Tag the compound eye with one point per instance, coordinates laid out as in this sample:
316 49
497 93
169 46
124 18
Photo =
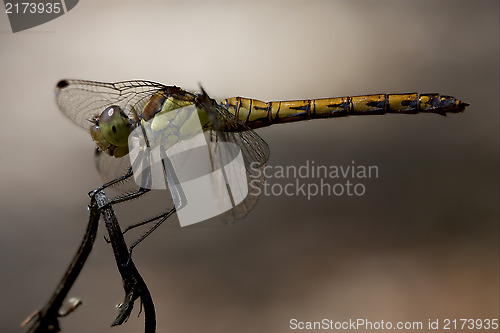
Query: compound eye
115 125
97 136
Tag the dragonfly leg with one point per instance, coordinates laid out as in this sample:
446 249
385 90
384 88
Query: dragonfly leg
130 196
127 175
153 228
133 226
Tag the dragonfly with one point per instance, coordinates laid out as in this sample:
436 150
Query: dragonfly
112 111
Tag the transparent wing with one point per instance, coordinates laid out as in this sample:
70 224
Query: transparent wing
83 100
111 168
253 167
231 129
255 151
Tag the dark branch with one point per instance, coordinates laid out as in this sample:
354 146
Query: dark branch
47 318
133 283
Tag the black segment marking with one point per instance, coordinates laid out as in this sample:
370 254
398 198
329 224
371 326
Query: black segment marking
339 105
376 104
411 104
235 107
249 111
269 115
238 106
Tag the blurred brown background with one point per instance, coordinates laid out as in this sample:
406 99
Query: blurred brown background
422 243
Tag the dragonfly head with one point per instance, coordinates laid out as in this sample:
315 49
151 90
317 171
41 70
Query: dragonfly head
115 125
111 130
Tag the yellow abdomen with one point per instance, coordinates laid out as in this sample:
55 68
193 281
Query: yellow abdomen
257 114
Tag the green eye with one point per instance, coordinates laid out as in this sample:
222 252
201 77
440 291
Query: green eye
115 126
99 139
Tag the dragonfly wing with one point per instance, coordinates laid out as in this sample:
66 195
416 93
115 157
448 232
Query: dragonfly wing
111 168
254 150
81 100
232 129
254 166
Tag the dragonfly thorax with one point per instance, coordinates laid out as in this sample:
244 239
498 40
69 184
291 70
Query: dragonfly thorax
111 130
